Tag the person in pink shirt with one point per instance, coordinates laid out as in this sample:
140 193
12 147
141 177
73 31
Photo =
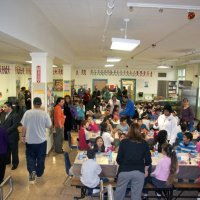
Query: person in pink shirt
93 127
166 169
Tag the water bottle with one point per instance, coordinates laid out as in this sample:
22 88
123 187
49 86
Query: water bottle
156 150
110 157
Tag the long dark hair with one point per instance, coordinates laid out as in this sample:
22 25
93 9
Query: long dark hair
134 132
96 149
168 149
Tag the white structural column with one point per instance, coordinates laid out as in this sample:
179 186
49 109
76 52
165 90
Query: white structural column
45 71
44 77
67 76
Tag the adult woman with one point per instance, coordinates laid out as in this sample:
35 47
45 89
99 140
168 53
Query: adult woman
68 119
134 159
187 114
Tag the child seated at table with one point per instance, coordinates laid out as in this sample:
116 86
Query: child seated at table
166 169
123 126
99 145
187 146
121 137
161 139
107 111
115 114
97 113
90 171
107 137
83 136
93 127
142 125
179 138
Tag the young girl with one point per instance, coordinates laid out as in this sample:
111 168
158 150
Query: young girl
161 139
97 114
166 169
93 127
99 145
121 137
83 136
115 114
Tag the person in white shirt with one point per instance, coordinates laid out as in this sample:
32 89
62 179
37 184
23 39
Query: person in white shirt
90 171
107 135
114 101
168 122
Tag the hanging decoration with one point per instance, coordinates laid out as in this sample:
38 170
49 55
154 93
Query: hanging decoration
4 69
58 71
116 72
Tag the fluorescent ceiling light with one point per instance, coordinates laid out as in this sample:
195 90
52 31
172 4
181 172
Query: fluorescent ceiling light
109 65
54 66
124 44
113 59
163 67
165 6
29 61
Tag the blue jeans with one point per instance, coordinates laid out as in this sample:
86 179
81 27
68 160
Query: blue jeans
35 156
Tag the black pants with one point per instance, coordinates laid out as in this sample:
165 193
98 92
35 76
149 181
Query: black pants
2 166
13 152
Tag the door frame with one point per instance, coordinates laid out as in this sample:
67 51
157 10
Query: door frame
134 82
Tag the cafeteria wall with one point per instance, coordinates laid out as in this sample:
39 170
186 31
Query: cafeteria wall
8 81
113 80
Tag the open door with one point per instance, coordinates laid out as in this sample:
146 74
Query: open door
130 85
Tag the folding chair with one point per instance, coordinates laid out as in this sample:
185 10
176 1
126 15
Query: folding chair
67 167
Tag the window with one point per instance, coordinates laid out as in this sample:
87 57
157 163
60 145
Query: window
181 74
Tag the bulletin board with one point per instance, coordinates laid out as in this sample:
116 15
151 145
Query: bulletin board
99 83
39 91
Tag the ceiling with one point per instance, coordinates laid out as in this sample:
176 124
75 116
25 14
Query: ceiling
167 37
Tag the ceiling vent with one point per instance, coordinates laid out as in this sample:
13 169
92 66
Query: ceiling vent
162 74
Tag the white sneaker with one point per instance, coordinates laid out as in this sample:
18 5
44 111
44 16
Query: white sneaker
95 191
32 177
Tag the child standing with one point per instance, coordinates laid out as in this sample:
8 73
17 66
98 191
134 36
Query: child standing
80 114
90 171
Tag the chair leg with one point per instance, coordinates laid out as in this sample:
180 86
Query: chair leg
83 193
67 180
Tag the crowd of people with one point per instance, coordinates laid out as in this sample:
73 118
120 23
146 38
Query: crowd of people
128 129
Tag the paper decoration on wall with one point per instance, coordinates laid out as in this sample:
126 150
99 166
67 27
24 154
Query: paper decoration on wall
22 70
4 69
58 84
116 72
58 71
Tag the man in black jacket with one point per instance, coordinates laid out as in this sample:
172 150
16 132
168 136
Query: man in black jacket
10 123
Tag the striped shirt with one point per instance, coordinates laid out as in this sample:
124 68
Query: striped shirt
187 148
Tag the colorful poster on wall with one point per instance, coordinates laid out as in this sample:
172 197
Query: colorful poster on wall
58 85
67 87
50 99
39 91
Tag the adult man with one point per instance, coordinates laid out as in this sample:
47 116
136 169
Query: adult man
59 121
34 123
21 100
10 123
129 110
168 122
81 91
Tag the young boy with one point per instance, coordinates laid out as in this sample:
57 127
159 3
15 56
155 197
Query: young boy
90 171
187 146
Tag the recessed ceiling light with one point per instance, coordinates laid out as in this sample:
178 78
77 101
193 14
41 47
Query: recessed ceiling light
29 61
109 65
113 59
54 66
163 67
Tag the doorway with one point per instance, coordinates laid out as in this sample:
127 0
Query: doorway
130 85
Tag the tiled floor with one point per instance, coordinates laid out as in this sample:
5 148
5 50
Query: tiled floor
51 185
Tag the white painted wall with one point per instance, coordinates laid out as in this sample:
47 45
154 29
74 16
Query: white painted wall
113 80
